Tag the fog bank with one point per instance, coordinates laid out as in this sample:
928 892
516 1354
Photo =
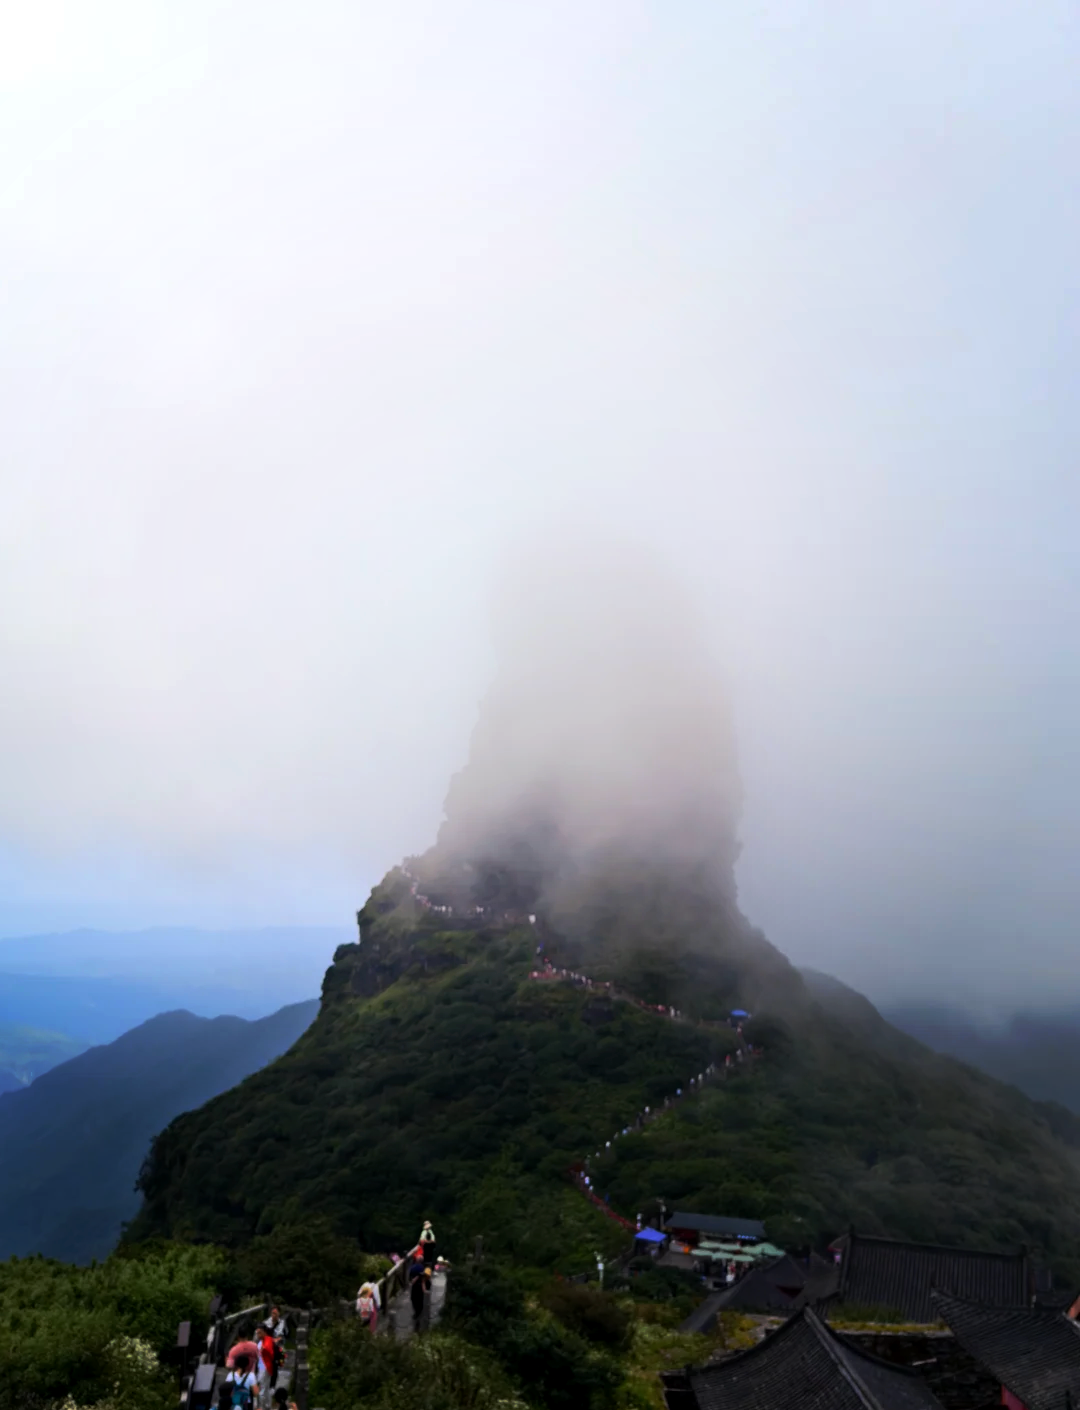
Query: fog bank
311 314
607 722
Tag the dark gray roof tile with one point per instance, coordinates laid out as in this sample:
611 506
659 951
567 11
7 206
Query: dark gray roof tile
770 1287
1034 1352
802 1366
889 1273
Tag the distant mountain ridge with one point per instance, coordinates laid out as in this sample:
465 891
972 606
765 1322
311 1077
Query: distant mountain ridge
95 985
1036 1052
165 953
72 1143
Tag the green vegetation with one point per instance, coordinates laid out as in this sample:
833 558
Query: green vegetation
570 1346
589 1313
98 1336
463 1094
440 1082
304 1263
351 1369
556 1362
826 1131
860 1317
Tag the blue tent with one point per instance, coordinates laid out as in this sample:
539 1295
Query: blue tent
739 1013
652 1236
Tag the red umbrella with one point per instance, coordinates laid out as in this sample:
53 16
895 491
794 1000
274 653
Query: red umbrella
243 1348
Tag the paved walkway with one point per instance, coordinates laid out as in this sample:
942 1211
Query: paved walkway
401 1313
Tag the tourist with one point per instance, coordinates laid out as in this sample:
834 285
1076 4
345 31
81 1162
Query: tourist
265 1367
368 1304
427 1243
278 1329
417 1283
243 1384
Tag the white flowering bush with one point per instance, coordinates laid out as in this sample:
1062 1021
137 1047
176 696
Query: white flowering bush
75 1338
138 1380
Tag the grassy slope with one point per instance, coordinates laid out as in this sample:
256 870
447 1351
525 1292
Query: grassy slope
440 1082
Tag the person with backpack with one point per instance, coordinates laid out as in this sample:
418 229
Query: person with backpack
368 1305
241 1386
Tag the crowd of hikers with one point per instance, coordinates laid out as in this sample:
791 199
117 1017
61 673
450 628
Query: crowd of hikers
549 971
467 910
421 1262
253 1365
598 986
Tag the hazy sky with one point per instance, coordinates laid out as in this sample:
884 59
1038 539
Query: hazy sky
308 312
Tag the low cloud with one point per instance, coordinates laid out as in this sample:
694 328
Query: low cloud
607 721
309 317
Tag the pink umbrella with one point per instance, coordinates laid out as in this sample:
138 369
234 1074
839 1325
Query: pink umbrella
243 1348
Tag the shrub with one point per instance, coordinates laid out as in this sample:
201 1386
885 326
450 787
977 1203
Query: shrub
95 1334
593 1314
302 1263
373 1266
553 1366
350 1367
677 1286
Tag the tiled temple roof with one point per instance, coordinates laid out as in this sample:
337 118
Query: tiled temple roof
1033 1352
891 1274
770 1287
822 1280
803 1366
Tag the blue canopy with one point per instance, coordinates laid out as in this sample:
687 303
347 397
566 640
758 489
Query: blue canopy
739 1013
652 1236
